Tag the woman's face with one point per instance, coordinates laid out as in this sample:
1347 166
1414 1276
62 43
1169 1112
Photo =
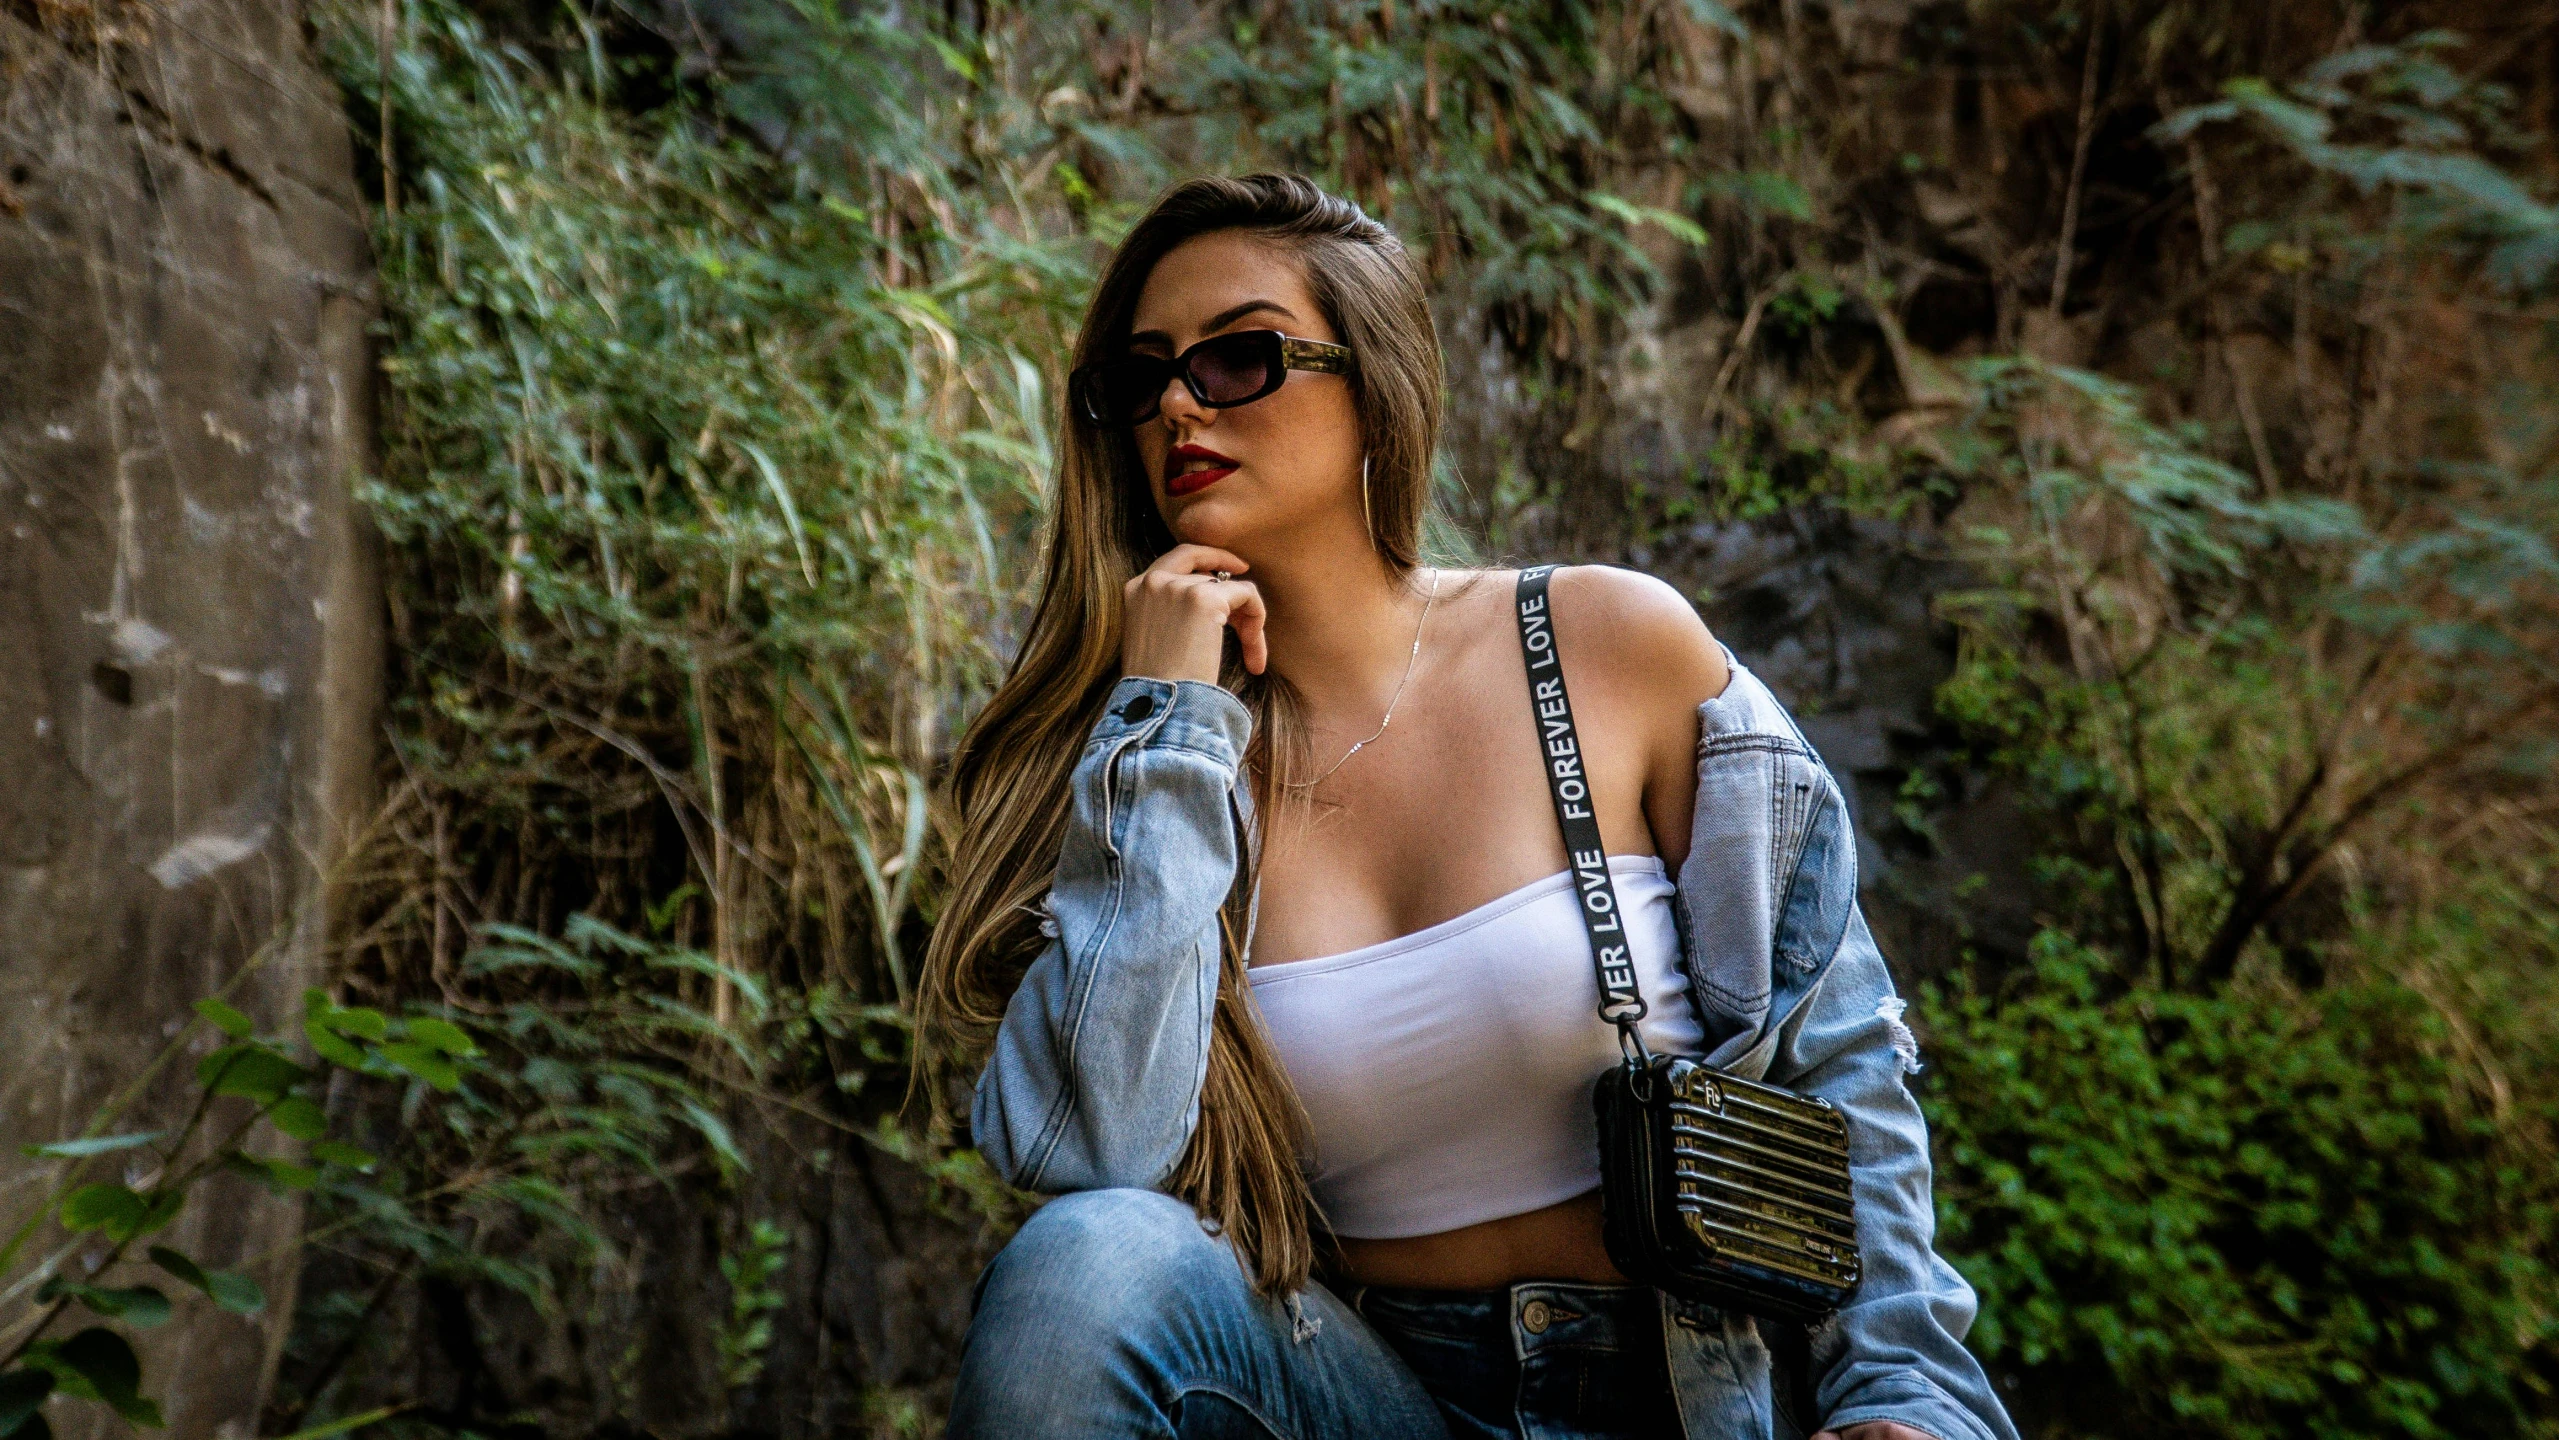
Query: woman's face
1242 477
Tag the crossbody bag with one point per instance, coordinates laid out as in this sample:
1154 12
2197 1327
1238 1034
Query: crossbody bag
1712 1187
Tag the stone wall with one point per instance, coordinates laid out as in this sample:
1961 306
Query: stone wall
189 661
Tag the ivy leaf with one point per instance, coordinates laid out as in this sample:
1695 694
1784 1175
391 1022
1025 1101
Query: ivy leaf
21 1391
299 1118
252 1072
231 1022
442 1035
97 1364
229 1289
95 1145
427 1064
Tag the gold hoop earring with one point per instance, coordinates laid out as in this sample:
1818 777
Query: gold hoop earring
1365 512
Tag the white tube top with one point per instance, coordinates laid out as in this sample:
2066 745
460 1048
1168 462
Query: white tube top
1447 1073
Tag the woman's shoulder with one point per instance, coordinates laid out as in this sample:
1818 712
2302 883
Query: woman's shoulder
1638 636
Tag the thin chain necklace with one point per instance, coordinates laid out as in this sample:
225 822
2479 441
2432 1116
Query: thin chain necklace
1409 662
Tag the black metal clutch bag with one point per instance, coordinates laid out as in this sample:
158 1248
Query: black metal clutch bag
1712 1187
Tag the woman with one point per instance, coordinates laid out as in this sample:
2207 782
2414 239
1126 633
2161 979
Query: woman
1290 1009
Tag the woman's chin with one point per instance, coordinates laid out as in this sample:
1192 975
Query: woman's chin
1208 520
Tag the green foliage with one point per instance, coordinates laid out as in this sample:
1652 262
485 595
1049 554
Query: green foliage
2256 1213
238 1087
710 466
2403 117
2240 1148
591 1080
1468 129
753 1298
96 1364
697 452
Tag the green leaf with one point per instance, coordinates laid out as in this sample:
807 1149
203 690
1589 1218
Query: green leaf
357 1020
360 1021
235 1292
231 1022
97 1364
332 1152
1769 193
179 1265
252 1072
716 1133
1680 226
443 1035
790 513
299 1118
427 1064
21 1391
95 1145
279 1176
108 1207
140 1305
159 1208
335 1048
1707 12
229 1289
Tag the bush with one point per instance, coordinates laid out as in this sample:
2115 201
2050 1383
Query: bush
2256 1213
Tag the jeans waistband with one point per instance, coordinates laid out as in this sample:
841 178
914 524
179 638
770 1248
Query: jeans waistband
1532 1315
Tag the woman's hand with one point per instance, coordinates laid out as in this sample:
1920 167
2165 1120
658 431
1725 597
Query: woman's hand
1175 613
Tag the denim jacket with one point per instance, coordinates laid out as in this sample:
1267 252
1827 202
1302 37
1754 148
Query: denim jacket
1095 1075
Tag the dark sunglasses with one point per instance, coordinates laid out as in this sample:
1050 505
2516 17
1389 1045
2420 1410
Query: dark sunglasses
1221 371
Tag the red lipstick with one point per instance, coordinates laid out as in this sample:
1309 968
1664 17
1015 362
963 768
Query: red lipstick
1193 468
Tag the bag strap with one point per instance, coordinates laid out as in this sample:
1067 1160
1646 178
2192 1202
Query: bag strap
1621 1000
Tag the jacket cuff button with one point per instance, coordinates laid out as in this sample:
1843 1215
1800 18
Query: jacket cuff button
1138 708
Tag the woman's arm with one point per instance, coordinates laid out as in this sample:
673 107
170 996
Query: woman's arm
1094 1079
1731 779
1895 1352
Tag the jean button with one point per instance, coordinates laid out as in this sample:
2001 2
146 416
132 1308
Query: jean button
1534 1317
1138 708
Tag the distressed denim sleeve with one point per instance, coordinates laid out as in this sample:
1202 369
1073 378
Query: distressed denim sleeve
1895 1351
1094 1078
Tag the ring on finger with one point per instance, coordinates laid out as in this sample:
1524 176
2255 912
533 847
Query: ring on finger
1223 574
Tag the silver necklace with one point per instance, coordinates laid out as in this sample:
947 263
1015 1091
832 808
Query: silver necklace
1409 662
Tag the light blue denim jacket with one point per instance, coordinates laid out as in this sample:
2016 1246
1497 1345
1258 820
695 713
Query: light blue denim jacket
1095 1075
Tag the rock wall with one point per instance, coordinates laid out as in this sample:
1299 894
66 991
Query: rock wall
189 661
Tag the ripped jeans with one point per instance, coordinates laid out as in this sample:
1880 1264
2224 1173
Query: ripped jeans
1113 1313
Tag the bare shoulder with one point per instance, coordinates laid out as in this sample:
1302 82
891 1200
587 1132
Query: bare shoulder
1638 636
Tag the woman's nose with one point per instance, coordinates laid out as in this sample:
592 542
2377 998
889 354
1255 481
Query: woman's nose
1179 407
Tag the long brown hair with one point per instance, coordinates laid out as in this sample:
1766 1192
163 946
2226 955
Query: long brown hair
1009 777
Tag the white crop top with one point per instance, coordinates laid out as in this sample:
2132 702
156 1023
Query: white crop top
1447 1073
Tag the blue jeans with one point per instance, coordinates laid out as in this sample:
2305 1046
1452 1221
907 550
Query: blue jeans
1113 1313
